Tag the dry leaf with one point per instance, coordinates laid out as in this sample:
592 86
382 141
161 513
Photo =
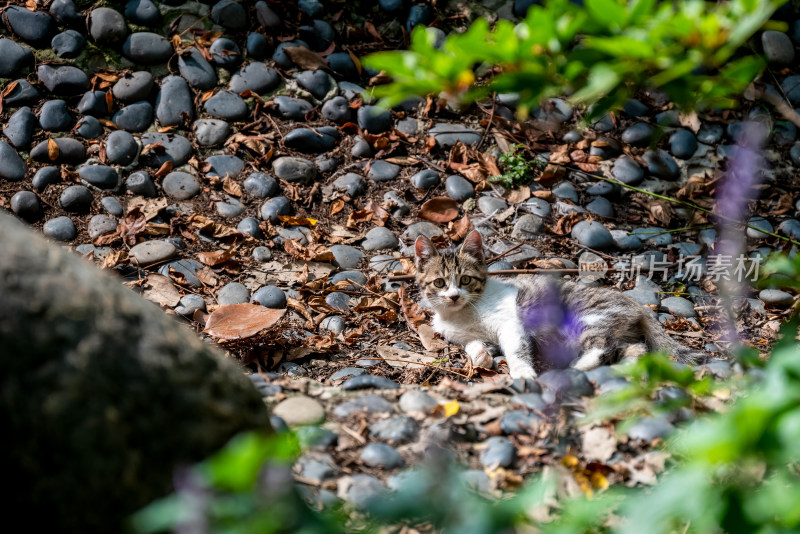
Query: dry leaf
297 221
407 359
305 58
52 149
237 321
379 215
231 187
599 444
564 225
458 230
218 257
161 290
439 210
336 206
448 409
521 194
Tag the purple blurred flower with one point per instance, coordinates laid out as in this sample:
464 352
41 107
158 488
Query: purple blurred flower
733 196
555 328
194 497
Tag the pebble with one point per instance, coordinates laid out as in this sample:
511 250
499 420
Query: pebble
76 199
34 27
274 207
249 226
154 251
316 82
381 171
13 57
521 421
425 179
89 128
600 206
640 134
93 103
653 236
224 164
351 183
537 206
660 164
22 93
528 227
147 48
121 148
627 171
491 205
650 428
778 47
593 234
414 400
20 127
398 429
347 372
678 306
458 188
209 132
60 229
293 169
379 238
365 490
320 139
300 410
337 109
499 452
186 268
565 191
790 228
107 26
172 147
25 204
196 70
229 14
776 297
63 80
189 304
292 108
140 183
338 300
447 135
142 12
370 404
262 254
180 185
101 224
428 229
54 116
261 185
333 323
256 77
605 148
225 53
759 223
227 106
70 151
683 144
374 119
361 149
710 134
68 44
270 297
174 102
314 437
381 455
230 208
66 12
531 401
136 117
233 293
567 382
369 381
633 108
257 45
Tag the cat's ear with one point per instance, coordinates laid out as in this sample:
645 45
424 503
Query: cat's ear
473 246
425 250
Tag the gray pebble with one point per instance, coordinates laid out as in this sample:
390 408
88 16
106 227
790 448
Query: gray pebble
209 132
262 254
650 428
371 404
335 324
293 169
76 199
776 297
154 251
458 188
593 234
180 185
338 300
761 224
233 293
189 304
25 204
60 229
369 382
500 452
398 429
347 372
274 207
678 306
521 421
101 224
112 206
379 238
425 179
381 455
270 297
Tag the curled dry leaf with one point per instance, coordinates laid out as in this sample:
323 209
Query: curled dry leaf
314 251
161 290
551 174
412 313
291 220
305 58
52 149
379 215
218 257
564 225
231 187
439 210
119 257
521 194
458 230
237 321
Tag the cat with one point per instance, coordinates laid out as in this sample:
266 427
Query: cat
533 321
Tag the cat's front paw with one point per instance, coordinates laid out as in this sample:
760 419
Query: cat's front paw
521 370
479 354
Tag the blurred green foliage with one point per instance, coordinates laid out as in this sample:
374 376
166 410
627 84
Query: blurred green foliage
600 53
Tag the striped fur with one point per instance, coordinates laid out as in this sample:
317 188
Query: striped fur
536 322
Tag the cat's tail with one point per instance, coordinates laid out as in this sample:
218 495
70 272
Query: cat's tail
659 340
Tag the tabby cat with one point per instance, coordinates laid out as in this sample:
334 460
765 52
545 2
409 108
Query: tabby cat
536 322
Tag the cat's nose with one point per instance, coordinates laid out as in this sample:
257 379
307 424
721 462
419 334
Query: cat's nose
455 297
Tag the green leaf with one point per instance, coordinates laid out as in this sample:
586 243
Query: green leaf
602 79
609 13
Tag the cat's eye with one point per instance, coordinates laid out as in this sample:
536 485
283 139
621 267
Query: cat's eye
465 279
439 282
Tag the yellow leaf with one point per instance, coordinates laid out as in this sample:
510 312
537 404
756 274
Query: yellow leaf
599 481
450 408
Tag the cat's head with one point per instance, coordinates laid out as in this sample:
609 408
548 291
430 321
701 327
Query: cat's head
451 279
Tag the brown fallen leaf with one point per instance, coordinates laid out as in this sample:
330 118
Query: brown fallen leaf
458 230
52 149
403 359
292 220
218 257
305 58
598 444
161 290
439 210
379 215
564 225
313 252
521 194
412 313
551 174
117 258
237 321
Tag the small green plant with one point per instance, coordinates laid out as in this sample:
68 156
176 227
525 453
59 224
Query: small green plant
518 168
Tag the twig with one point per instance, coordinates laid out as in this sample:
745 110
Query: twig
489 125
445 369
504 254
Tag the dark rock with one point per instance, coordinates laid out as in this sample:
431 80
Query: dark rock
209 132
710 134
140 183
381 455
379 238
227 106
320 139
266 16
196 70
425 179
100 176
142 12
633 108
650 428
593 234
398 429
567 383
447 135
180 185
274 207
776 297
683 144
678 306
174 148
337 109
351 183
640 134
312 8
225 165
225 53
35 27
458 188
54 116
758 228
419 14
261 185
189 304
282 58
374 119
661 164
60 229
68 44
76 199
66 12
342 65
346 257
319 35
499 452
112 206
381 171
89 128
229 208
605 148
25 204
627 171
44 177
100 225
270 297
229 14
249 226
361 149
13 57
565 191
20 127
292 108
147 48
22 93
93 103
257 46
778 47
202 397
338 300
12 167
136 117
530 401
187 268
63 79
107 26
121 148
316 82
521 421
133 87
70 151
234 293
